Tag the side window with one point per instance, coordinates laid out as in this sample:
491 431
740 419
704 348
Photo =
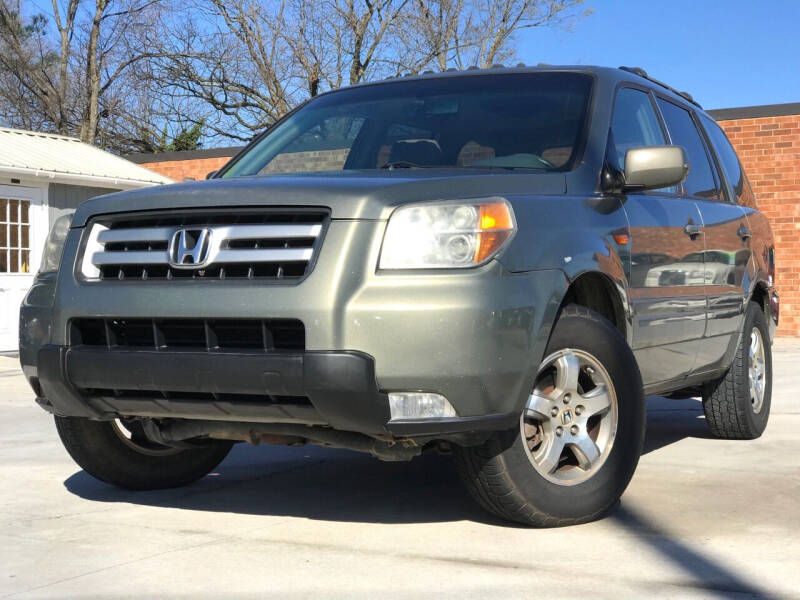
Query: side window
682 130
634 125
730 163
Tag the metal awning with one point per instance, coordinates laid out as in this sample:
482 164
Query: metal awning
56 157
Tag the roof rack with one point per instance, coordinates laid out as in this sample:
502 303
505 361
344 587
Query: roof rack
642 73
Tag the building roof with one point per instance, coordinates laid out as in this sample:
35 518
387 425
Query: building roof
32 154
755 112
173 155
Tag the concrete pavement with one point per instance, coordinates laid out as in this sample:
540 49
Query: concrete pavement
702 518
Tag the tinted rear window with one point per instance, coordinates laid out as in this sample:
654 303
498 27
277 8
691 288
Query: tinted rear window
682 130
730 163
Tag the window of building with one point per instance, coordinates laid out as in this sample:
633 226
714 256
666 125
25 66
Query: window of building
15 236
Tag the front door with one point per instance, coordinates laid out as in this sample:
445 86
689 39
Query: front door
23 229
666 277
666 284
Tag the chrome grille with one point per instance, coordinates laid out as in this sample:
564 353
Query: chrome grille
279 245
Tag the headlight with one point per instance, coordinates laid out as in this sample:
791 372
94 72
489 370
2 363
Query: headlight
446 235
54 246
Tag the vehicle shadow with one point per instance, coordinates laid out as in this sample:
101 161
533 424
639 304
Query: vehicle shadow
670 421
340 485
315 483
705 573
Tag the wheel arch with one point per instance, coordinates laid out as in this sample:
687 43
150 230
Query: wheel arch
766 297
599 292
760 295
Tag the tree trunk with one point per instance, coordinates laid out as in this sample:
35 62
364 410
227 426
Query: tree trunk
356 68
92 110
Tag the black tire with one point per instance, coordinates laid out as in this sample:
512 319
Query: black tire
99 450
499 474
727 402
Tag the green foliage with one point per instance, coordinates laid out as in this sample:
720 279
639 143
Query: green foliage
187 138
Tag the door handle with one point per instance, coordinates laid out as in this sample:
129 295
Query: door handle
743 232
692 230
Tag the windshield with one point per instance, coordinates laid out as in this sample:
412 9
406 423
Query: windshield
503 121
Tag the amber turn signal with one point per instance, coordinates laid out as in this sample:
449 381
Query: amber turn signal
496 226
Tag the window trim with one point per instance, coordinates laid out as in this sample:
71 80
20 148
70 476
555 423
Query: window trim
715 162
729 191
648 91
10 225
718 182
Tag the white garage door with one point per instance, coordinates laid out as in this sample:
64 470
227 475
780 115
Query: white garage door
23 229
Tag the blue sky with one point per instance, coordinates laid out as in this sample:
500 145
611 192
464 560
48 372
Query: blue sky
726 53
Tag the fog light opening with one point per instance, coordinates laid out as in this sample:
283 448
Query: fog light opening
419 405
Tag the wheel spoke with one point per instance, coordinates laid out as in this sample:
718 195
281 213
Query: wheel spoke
538 407
754 344
567 370
547 456
596 401
586 451
557 414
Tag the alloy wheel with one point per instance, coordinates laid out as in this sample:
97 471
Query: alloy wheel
131 433
570 420
756 371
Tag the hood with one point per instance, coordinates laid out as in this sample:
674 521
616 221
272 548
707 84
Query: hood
347 194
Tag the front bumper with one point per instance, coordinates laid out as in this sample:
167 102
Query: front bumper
476 337
337 389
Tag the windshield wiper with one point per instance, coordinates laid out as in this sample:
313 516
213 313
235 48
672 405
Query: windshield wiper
505 168
402 164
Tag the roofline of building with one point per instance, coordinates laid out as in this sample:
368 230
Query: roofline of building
755 112
75 178
156 157
54 136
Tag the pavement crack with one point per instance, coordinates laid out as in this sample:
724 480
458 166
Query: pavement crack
115 565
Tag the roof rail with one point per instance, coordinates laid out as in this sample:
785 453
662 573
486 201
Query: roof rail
642 73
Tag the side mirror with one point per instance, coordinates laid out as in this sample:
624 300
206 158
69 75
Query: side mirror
211 174
655 167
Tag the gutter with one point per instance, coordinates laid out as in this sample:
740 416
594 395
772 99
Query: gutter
122 183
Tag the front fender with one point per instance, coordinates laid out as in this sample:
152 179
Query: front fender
576 235
571 233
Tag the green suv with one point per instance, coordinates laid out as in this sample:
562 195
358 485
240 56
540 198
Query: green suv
497 264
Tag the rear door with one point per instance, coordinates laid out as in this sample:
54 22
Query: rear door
726 251
727 304
666 273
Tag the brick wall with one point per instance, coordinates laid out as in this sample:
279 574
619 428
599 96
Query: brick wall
181 169
315 160
769 148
